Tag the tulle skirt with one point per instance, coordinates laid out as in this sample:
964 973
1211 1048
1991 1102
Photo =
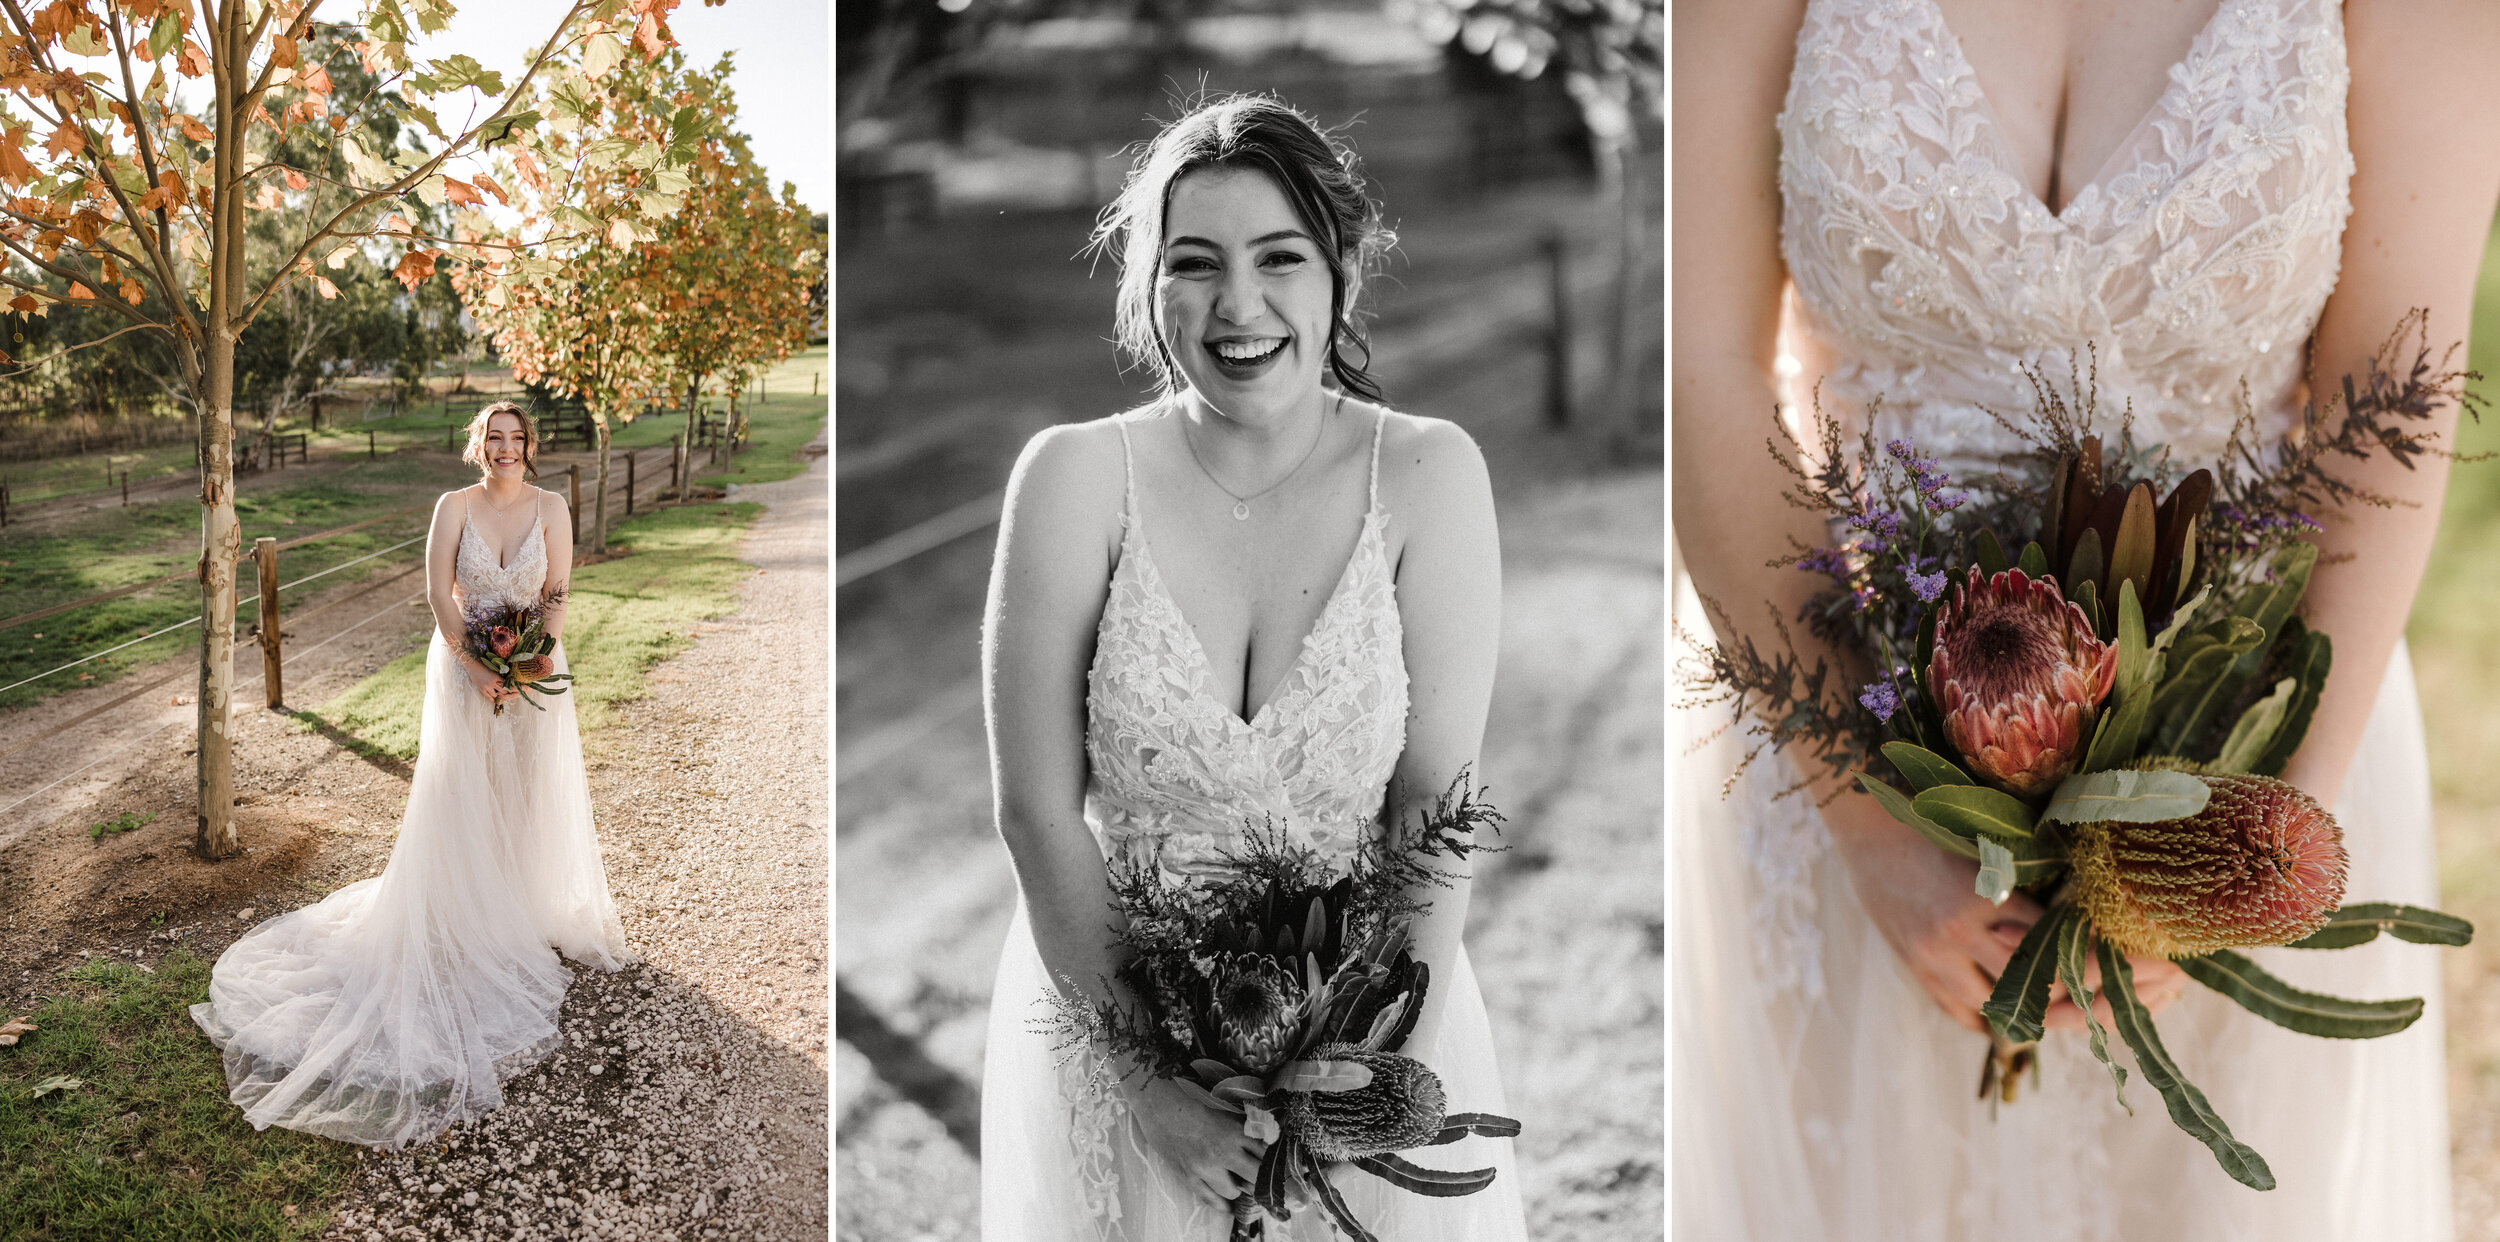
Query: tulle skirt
1819 1094
397 1005
1063 1161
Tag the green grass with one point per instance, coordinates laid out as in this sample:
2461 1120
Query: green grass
108 548
624 616
792 412
147 1146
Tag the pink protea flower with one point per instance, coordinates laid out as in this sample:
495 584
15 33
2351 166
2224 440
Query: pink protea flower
2019 676
2262 864
502 640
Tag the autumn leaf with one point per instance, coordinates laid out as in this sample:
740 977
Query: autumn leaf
193 63
281 51
191 127
647 36
65 141
296 180
339 257
14 166
327 289
415 268
24 304
317 81
494 188
462 192
80 293
132 291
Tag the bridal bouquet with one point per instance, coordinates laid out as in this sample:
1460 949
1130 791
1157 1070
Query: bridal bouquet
2087 675
1282 992
513 643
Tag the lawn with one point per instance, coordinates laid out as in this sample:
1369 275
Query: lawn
134 1139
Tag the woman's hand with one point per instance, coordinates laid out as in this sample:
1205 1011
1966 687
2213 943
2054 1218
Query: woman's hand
1953 941
1207 1143
487 683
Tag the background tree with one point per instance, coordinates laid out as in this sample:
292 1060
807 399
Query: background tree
131 188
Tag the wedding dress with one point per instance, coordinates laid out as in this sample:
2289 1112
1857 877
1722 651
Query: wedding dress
1819 1093
1174 777
395 1006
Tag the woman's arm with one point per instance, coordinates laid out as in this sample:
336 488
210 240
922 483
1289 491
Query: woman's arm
2426 156
559 559
1048 585
1449 593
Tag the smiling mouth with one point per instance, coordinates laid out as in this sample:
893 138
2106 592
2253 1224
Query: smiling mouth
1246 353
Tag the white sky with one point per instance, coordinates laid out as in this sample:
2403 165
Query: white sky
783 74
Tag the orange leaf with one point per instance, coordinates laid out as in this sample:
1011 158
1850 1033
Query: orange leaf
482 179
66 141
460 191
192 129
327 289
193 62
647 36
281 51
317 81
15 168
296 180
80 293
24 304
415 268
132 291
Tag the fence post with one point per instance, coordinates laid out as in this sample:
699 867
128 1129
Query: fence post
369 453
447 433
1558 334
629 480
677 464
573 497
265 549
125 489
4 504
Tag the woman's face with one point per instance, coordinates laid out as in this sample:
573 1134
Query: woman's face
1242 296
506 445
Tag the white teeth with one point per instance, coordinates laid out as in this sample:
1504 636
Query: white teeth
1248 351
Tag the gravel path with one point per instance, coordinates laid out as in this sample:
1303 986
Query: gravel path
689 1101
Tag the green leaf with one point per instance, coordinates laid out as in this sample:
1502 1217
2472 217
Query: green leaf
2361 923
2087 596
1976 810
2270 604
2311 662
2131 553
2180 617
1988 553
1323 1076
1996 871
2085 562
2135 655
2020 1003
2033 562
2127 796
2121 729
1893 801
2254 732
2074 942
162 35
2188 702
1925 768
2310 1013
56 1082
2188 1108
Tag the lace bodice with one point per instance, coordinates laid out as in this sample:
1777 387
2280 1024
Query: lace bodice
485 582
2198 259
1176 775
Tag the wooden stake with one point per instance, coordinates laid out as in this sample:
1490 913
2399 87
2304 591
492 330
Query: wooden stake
573 498
265 550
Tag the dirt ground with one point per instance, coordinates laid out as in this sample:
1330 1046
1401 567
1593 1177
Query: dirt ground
712 819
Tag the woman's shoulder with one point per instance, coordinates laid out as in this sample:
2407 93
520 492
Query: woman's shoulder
1426 464
1078 456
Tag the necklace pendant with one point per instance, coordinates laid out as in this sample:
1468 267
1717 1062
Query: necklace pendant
1241 510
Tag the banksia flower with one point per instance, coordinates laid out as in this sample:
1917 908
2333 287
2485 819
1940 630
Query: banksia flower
2262 864
2019 676
533 668
1258 1005
1401 1108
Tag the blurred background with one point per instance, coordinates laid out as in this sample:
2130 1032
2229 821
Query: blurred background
1515 145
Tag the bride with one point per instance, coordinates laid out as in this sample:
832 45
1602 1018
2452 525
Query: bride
2211 197
1257 596
397 1005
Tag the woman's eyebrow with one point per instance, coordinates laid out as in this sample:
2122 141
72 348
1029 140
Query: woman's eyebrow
1277 236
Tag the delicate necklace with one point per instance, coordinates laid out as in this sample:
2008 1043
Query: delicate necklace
1241 503
490 499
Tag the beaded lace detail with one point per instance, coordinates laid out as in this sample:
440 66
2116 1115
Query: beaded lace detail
1176 775
2198 259
485 582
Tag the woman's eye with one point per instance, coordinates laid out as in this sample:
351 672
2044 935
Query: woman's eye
1284 260
1191 265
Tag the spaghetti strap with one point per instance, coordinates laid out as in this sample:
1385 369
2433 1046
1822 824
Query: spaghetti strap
1128 471
1377 424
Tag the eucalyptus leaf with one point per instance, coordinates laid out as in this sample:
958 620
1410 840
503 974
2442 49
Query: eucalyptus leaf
2361 923
2188 1108
2180 618
2033 562
2254 732
1989 553
2127 795
1900 807
2135 654
2020 1003
1996 871
2310 1013
2311 662
1976 810
2270 604
1925 768
2074 947
2205 682
2121 728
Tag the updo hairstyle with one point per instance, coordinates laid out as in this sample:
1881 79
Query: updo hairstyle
1317 175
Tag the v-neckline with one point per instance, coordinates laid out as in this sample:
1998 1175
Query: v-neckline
468 522
1302 655
2135 133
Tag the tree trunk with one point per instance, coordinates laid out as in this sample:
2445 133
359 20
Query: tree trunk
221 536
599 507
